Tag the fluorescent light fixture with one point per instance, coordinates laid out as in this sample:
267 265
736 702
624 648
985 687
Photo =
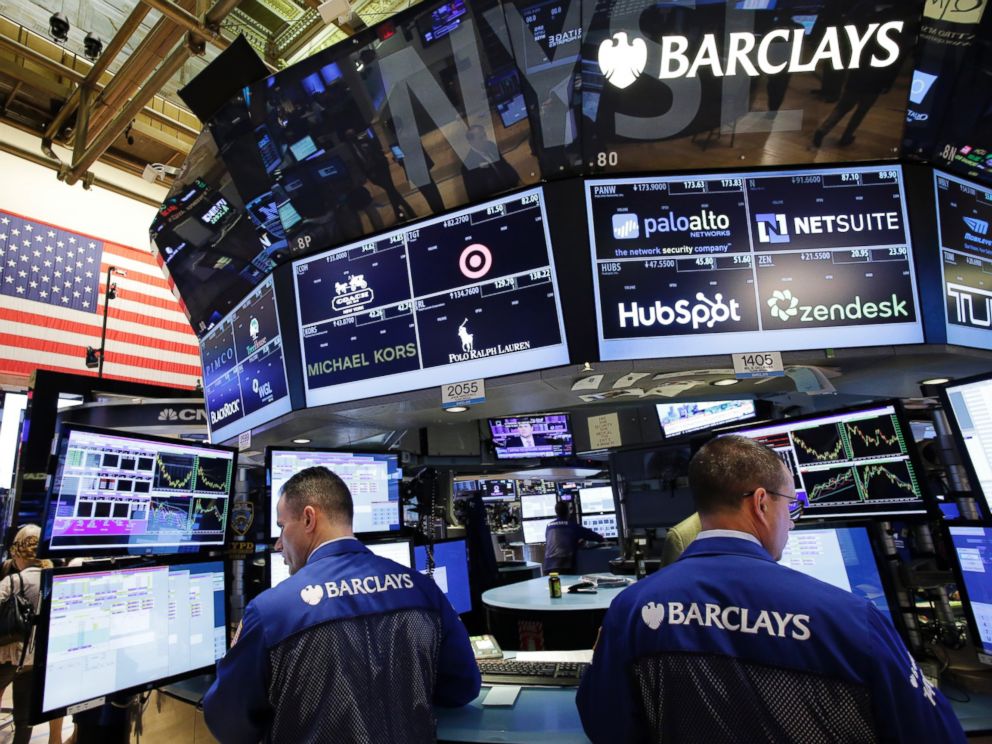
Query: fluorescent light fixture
726 381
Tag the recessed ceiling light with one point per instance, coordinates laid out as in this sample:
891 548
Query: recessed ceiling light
301 441
935 381
726 381
456 409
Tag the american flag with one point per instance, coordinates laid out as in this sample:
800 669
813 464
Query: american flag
52 287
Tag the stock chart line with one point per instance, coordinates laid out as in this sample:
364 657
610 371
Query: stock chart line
167 517
834 484
874 439
832 454
168 475
872 471
203 481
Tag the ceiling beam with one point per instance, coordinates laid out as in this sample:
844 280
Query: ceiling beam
190 22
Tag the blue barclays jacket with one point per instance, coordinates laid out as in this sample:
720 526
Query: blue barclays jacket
562 540
353 647
730 646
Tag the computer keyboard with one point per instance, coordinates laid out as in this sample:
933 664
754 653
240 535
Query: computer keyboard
545 673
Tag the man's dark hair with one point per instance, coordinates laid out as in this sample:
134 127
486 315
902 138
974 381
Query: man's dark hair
561 510
320 488
726 468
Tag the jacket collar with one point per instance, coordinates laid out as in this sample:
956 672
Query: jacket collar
337 547
725 546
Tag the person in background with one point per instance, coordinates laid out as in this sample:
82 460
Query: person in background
677 538
727 645
350 648
24 552
562 537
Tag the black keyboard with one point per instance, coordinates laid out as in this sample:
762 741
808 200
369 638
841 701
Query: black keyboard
545 673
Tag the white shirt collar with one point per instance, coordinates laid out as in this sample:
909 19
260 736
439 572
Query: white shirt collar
328 542
728 533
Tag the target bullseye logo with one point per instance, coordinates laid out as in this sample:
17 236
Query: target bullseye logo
475 261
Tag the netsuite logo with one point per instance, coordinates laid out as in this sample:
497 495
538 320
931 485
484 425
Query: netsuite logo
979 226
705 312
772 228
784 306
842 47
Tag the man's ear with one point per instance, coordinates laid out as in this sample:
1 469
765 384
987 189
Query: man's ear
309 517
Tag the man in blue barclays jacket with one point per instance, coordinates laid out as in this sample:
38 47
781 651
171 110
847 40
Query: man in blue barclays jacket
727 645
351 648
561 540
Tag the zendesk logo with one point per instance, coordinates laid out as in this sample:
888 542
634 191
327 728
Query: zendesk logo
784 306
842 47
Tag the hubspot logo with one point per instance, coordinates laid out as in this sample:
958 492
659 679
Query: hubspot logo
622 61
783 305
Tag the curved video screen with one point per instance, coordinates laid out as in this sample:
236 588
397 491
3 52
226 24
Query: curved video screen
468 295
780 259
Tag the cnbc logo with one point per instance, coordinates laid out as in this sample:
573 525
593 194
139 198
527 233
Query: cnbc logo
626 226
785 306
772 228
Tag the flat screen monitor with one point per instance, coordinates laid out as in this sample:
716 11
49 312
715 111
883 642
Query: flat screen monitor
471 294
538 505
373 479
677 419
790 259
653 485
441 21
840 556
853 463
278 569
604 524
596 499
120 494
544 435
964 212
534 530
244 370
450 571
498 490
968 404
106 631
400 551
973 549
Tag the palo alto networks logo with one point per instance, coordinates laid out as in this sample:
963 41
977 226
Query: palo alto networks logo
922 83
783 305
622 61
772 228
626 226
653 615
312 593
979 226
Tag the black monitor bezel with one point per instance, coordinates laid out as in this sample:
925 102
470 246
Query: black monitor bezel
969 614
930 510
532 456
333 450
37 715
44 544
581 512
984 502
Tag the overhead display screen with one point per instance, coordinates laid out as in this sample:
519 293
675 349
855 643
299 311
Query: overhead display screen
964 212
244 372
777 260
469 295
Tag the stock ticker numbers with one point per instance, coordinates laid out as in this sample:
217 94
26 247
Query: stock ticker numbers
429 305
794 255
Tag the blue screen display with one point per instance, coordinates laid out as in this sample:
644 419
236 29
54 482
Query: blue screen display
973 548
450 571
840 556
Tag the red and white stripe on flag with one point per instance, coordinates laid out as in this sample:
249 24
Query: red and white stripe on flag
149 338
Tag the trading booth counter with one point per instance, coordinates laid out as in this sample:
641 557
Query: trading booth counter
524 617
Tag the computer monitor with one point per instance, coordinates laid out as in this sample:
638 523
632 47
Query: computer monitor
103 631
973 550
840 556
604 524
373 479
120 494
544 435
538 505
653 486
400 551
278 569
968 405
852 463
677 419
450 571
596 499
534 530
498 490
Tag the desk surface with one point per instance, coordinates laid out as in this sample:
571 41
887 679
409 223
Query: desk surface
533 595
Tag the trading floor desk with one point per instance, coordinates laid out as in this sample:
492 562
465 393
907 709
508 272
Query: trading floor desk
524 617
